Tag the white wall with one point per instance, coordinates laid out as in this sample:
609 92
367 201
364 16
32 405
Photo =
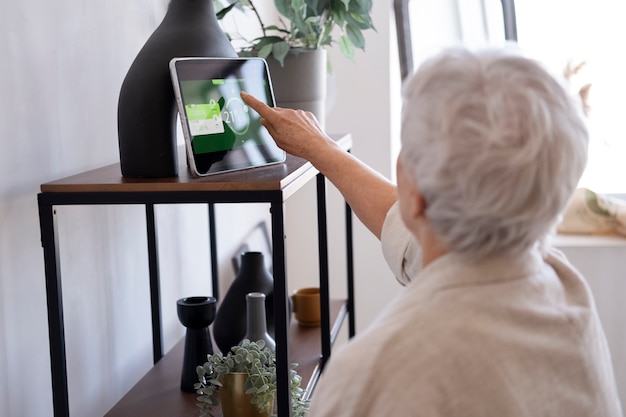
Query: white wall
63 64
600 260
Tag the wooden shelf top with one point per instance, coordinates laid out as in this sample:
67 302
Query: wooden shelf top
272 177
158 393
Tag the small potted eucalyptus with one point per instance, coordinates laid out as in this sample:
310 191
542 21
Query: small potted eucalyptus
243 382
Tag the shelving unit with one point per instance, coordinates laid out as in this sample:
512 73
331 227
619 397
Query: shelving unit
272 184
158 393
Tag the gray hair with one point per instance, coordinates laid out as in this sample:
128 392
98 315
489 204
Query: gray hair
495 144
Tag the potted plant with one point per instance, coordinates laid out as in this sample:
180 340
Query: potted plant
310 24
253 364
295 47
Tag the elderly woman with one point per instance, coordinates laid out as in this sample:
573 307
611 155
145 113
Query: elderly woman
493 321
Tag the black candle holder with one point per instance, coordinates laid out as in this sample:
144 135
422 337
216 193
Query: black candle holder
196 314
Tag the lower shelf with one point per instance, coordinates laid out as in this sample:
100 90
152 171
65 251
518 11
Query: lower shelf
158 393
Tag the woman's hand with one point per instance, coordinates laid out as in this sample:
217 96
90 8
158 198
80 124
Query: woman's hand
297 132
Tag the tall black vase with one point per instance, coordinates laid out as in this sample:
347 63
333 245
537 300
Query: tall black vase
229 327
146 109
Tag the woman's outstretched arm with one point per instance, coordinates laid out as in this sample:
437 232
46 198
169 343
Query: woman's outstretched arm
299 133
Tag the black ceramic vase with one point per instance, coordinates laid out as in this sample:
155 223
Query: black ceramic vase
230 323
146 116
196 314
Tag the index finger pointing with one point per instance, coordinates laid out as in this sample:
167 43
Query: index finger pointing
263 109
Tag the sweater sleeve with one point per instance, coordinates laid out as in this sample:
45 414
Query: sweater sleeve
400 248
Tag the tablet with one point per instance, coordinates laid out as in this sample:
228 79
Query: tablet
221 132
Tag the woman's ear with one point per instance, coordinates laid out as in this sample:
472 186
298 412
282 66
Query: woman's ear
416 201
412 202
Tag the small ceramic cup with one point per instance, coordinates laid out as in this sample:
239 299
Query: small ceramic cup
306 306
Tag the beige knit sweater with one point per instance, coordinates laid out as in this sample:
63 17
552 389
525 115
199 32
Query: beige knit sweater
509 336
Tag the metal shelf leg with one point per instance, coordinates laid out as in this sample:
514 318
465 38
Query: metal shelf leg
54 295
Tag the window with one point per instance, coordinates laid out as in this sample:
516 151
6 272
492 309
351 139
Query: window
557 32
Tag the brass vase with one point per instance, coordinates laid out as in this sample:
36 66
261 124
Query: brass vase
235 402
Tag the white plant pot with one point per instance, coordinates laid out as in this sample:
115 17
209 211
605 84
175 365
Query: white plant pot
302 82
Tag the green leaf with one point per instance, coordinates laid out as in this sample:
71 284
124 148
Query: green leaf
265 51
339 16
359 20
355 36
346 47
223 12
361 6
312 6
298 8
215 382
324 6
279 51
283 6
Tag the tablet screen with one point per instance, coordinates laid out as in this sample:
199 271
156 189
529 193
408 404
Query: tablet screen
221 132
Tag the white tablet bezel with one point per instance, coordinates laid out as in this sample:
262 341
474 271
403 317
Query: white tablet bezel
237 158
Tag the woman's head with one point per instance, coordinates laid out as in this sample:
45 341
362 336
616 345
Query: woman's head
496 146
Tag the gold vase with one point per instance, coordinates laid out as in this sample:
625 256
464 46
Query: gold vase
235 402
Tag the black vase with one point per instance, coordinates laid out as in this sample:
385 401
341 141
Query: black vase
230 323
196 314
146 115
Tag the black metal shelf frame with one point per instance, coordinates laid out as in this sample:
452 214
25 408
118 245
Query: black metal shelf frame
276 198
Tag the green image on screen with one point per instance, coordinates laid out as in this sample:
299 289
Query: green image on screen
218 119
